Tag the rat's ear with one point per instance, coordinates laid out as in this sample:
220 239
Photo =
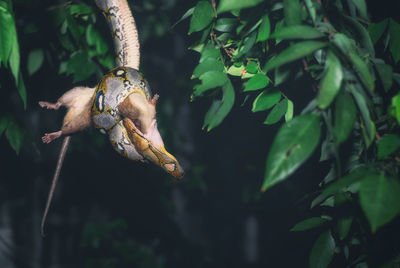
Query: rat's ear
154 99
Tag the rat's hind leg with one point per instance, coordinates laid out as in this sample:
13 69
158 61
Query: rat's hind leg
48 137
49 105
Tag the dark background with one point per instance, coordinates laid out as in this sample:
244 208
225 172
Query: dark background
111 212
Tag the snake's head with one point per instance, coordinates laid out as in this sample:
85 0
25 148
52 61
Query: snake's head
151 146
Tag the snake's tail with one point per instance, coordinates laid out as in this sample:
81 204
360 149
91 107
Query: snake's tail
124 31
55 179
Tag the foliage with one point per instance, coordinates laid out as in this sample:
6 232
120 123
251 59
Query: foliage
352 99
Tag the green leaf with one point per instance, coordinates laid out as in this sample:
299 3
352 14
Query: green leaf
35 61
311 9
226 24
385 72
220 108
209 80
210 64
344 225
257 82
277 112
248 44
22 90
343 43
14 59
289 111
266 100
294 52
292 145
291 9
387 145
80 9
80 66
15 135
360 33
3 123
331 82
394 29
7 35
345 116
264 30
297 32
252 67
342 184
94 38
308 224
362 8
379 199
203 14
229 5
209 52
187 14
376 30
395 107
322 251
363 70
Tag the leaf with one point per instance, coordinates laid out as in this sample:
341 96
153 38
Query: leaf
294 52
308 224
292 145
248 44
363 70
220 108
14 59
395 107
94 38
331 82
362 8
229 5
226 24
22 90
257 82
15 135
360 33
387 145
35 61
187 14
203 14
252 67
3 123
266 100
379 199
209 80
80 66
209 52
210 64
345 116
277 112
291 9
394 29
289 111
7 35
344 225
264 30
311 9
322 252
297 32
376 30
80 9
385 72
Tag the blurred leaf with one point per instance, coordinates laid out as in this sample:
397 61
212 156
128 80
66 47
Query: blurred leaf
394 29
22 90
277 112
291 9
396 107
322 251
331 82
363 70
259 81
203 14
311 9
345 116
266 100
209 52
15 135
252 67
7 35
248 44
289 111
226 24
292 145
210 64
35 61
344 43
264 30
376 30
94 38
209 80
188 13
80 66
14 58
80 9
220 108
3 123
387 145
294 52
344 225
379 199
360 33
297 32
308 224
229 5
385 72
361 5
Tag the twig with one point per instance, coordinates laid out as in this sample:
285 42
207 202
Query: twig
229 53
